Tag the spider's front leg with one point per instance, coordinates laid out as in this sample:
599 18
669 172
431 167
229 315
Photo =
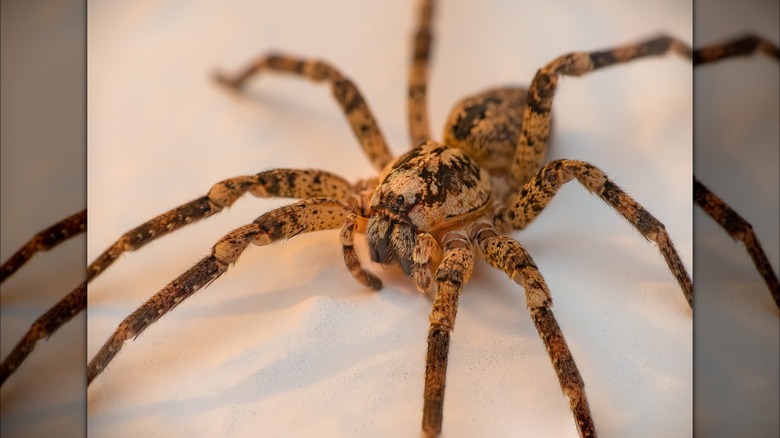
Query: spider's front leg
304 216
453 272
540 189
509 256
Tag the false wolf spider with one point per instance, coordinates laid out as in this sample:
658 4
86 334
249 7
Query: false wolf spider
151 268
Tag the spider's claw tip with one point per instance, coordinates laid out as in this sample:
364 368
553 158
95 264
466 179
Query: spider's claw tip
373 282
225 80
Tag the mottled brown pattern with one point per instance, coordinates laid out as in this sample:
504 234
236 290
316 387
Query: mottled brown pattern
362 121
282 223
508 255
540 189
45 240
452 274
419 127
486 126
535 132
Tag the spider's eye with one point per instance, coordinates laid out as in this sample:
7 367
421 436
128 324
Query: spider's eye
400 199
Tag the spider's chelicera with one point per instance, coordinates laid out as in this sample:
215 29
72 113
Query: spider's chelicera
433 210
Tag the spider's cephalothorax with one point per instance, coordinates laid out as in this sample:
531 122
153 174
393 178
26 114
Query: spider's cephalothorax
428 190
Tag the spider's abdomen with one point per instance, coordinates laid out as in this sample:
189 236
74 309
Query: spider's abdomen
431 186
487 126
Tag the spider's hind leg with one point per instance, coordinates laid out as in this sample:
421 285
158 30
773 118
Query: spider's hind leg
355 107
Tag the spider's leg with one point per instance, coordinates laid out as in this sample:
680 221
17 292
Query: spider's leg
60 313
539 191
287 183
508 255
535 131
744 46
716 208
45 240
43 327
453 272
739 229
419 127
304 216
282 183
359 116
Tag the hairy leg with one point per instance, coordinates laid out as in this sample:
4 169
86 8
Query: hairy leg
419 126
509 256
452 274
362 121
313 214
540 189
535 132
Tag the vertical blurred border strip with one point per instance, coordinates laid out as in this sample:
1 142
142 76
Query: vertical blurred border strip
42 181
736 155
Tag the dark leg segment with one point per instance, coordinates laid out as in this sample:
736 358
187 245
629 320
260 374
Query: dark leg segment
304 216
539 191
535 131
451 275
351 259
739 229
43 327
362 121
508 255
44 241
744 46
419 127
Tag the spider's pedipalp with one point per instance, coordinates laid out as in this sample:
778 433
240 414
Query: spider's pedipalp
535 132
453 272
508 255
313 214
362 121
540 189
351 259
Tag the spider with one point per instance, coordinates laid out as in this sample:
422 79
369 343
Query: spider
290 246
